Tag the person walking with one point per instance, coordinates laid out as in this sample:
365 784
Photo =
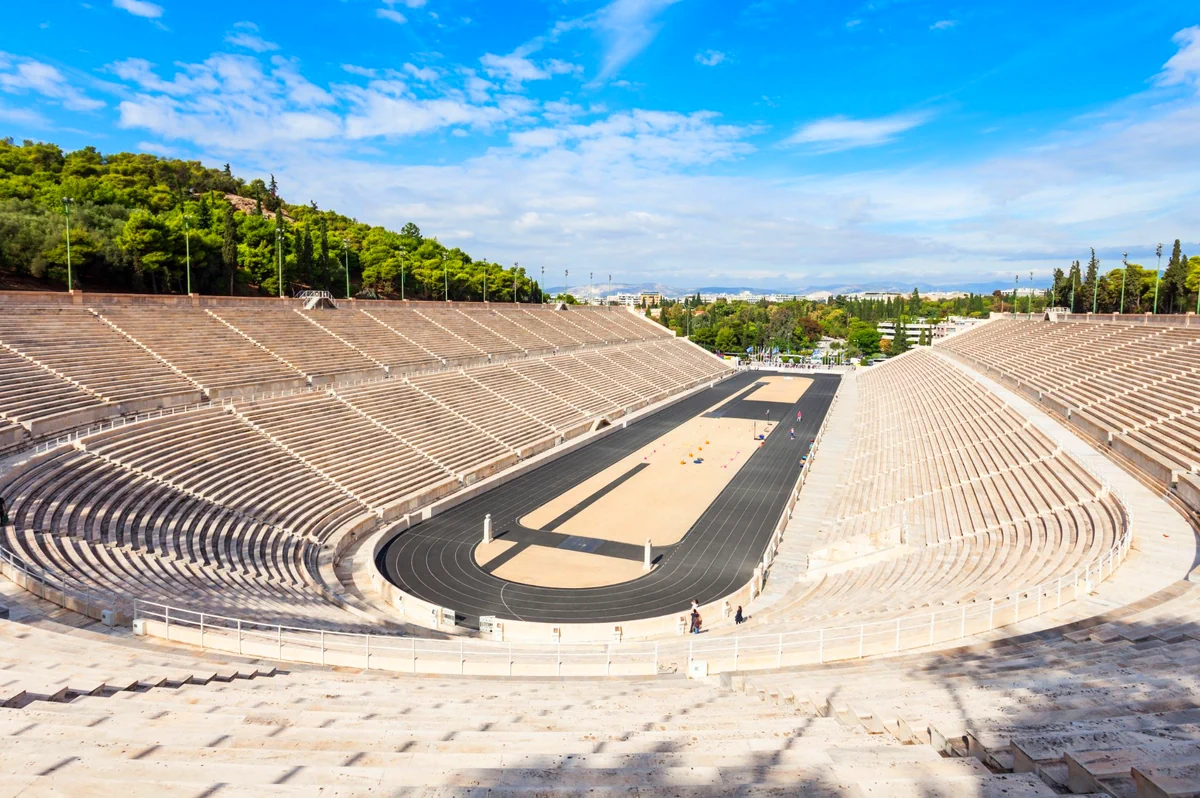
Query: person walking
694 628
792 433
737 618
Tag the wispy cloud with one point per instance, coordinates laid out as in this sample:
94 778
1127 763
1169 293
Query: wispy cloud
943 24
139 8
711 58
1183 69
627 27
250 41
391 14
843 133
25 75
515 68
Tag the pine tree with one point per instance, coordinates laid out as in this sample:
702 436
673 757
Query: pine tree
204 214
258 208
1091 292
229 252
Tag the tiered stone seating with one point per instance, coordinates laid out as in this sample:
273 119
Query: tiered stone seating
1136 388
29 392
421 328
507 322
375 465
376 340
1111 709
207 351
310 349
462 394
427 426
76 345
299 733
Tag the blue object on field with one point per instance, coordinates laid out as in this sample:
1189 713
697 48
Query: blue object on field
698 460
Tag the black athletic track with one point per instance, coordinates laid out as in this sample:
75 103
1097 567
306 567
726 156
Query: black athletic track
434 559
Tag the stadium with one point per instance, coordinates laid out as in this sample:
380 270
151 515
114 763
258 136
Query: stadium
275 546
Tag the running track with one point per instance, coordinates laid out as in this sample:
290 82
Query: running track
434 560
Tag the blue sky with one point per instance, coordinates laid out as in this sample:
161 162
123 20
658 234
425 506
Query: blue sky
776 143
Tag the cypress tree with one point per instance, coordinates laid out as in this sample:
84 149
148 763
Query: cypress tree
1175 278
229 246
900 341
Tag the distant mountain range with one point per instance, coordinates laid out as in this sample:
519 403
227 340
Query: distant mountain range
606 289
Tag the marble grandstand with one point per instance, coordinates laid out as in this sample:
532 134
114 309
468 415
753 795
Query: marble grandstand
955 605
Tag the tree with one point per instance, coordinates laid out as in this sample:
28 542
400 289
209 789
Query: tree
144 237
1174 281
725 340
203 214
900 343
229 242
1090 296
865 337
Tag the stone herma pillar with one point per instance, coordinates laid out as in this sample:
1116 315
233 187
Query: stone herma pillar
646 559
487 528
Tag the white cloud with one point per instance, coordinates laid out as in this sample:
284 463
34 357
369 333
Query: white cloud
843 133
423 74
392 14
515 69
628 27
25 75
1184 67
711 58
250 42
139 8
943 24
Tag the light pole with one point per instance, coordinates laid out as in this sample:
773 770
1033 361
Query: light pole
187 244
1157 271
279 257
485 285
541 290
1029 304
346 258
1016 282
67 203
1074 281
1124 275
515 269
566 283
403 252
1095 283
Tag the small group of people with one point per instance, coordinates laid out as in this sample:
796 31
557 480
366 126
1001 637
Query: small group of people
697 621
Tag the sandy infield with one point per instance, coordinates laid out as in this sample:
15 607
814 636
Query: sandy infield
546 567
486 552
665 498
780 389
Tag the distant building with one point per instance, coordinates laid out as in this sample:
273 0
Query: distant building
650 299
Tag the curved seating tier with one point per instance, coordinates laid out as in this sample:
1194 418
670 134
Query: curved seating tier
948 497
224 508
1137 388
65 367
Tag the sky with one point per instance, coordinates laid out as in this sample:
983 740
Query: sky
781 144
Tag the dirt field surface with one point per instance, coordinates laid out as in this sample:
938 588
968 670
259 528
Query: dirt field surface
546 567
780 389
664 498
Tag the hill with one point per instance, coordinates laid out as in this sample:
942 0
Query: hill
136 218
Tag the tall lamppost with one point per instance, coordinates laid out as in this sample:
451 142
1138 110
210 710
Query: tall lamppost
541 290
279 257
1095 283
1157 271
403 252
1124 275
1074 282
67 203
1016 282
346 258
566 283
187 244
446 277
485 285
1029 304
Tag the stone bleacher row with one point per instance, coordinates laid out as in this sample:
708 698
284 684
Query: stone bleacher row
65 367
1134 388
1111 709
147 723
949 499
226 508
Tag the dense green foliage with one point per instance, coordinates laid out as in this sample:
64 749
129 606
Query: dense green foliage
1130 288
135 218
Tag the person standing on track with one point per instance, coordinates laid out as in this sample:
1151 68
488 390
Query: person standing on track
792 433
